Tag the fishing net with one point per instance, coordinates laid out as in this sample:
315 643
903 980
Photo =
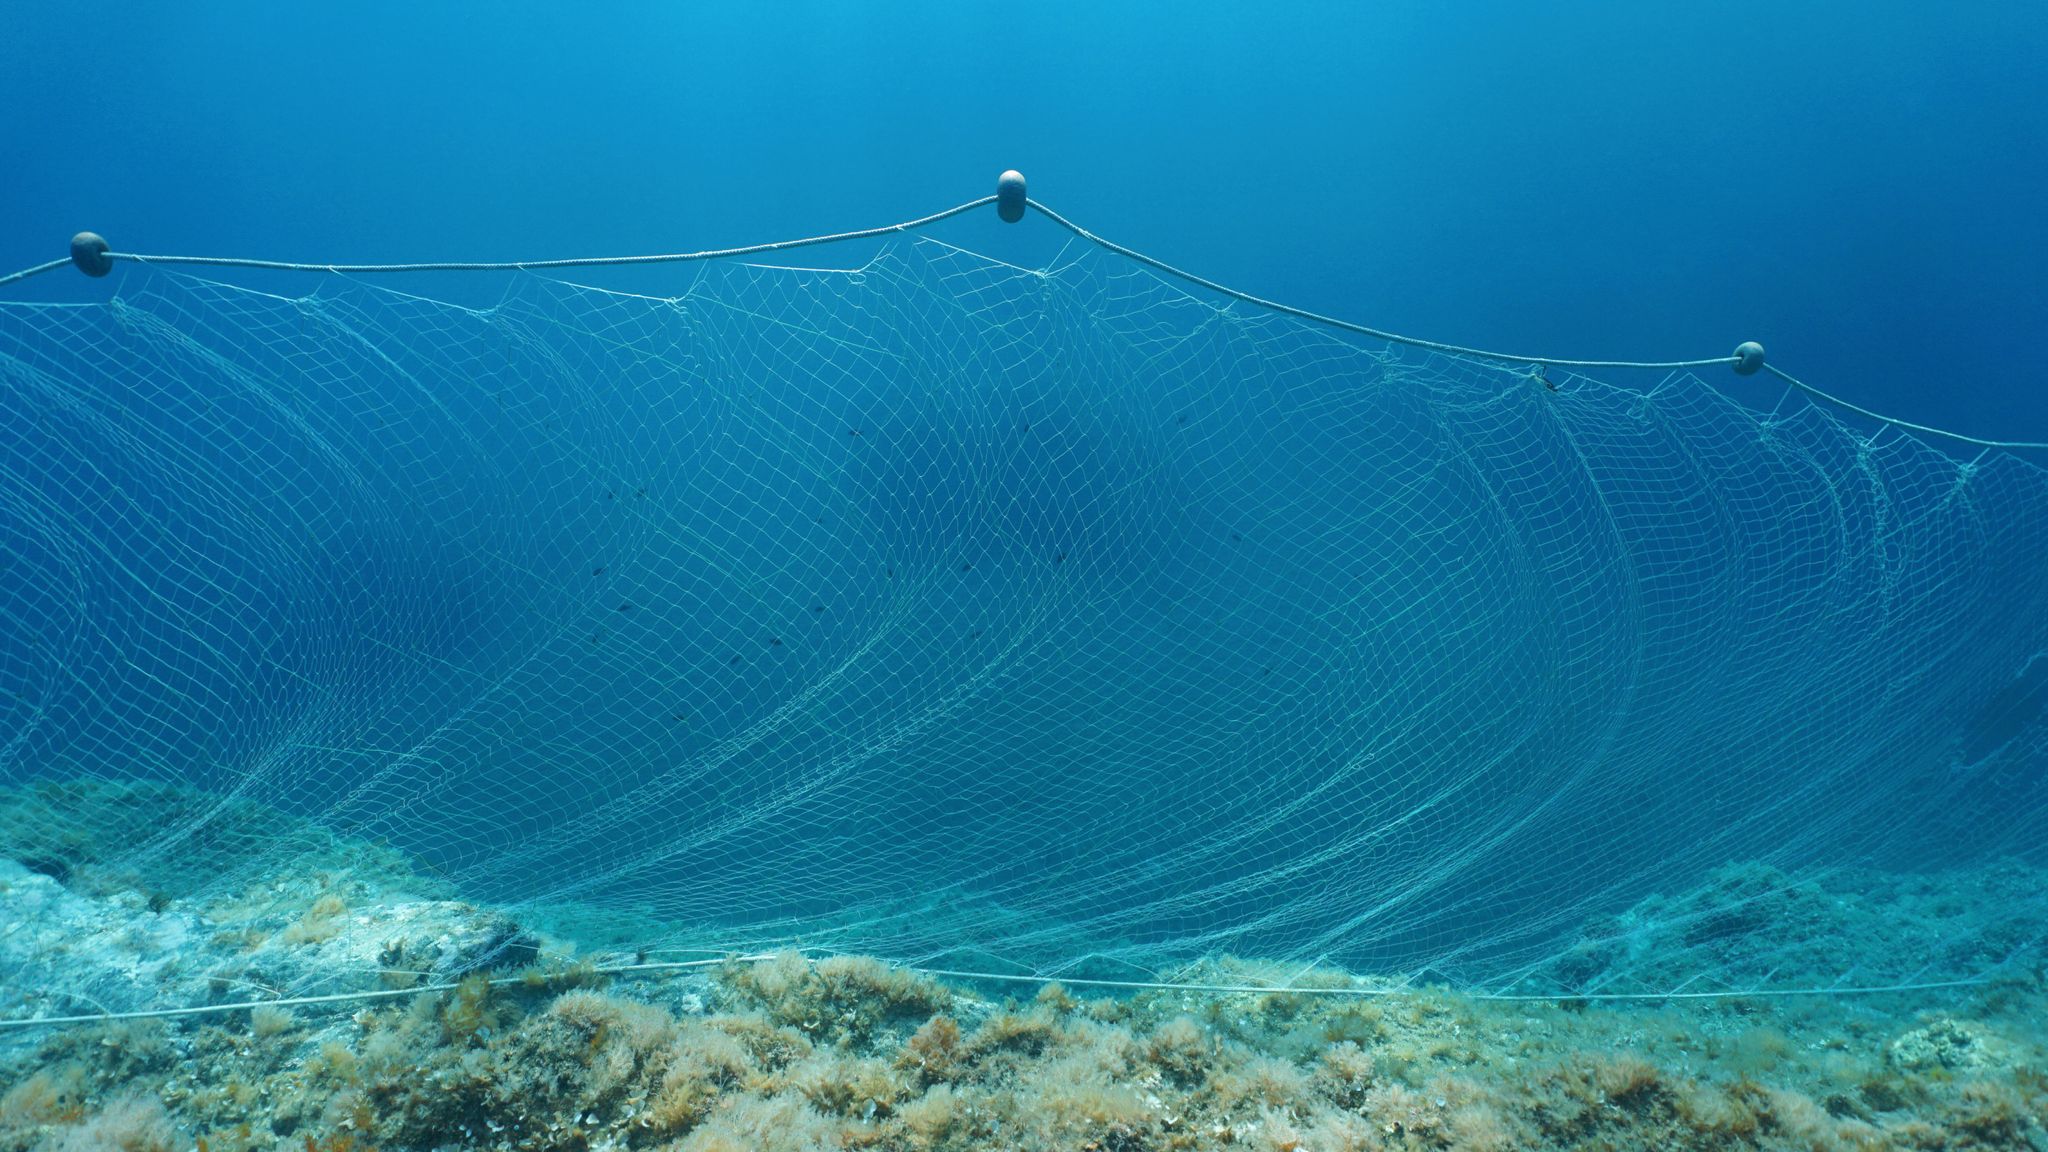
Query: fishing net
1056 619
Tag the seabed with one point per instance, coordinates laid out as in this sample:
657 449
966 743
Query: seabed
488 1034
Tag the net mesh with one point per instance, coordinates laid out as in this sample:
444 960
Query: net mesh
970 614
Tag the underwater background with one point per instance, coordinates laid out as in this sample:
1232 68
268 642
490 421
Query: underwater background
971 690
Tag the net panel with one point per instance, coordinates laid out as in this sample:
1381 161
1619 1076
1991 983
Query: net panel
971 614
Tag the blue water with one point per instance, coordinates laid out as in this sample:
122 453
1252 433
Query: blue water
1856 185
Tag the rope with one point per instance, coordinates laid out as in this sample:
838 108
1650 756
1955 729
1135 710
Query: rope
1503 357
1810 390
1348 326
572 262
1084 234
38 270
963 974
1262 989
520 265
351 997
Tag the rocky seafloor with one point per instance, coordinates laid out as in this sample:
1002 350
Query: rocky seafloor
486 1034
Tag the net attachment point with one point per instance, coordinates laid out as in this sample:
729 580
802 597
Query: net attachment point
89 252
1749 358
1010 196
